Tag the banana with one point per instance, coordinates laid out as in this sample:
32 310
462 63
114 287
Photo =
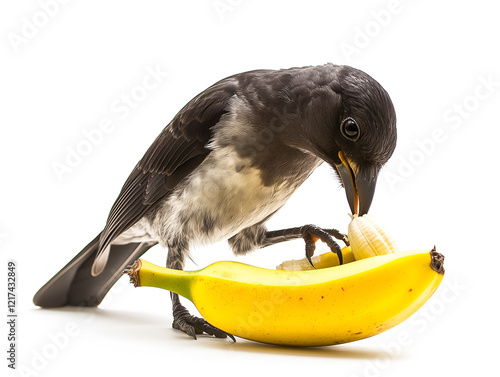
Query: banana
304 308
320 261
368 239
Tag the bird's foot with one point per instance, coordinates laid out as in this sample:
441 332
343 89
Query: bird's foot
312 233
193 325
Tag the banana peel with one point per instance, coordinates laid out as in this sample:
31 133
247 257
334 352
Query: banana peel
325 306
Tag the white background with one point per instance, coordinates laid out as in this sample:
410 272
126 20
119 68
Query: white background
61 76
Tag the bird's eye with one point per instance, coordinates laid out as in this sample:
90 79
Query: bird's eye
350 129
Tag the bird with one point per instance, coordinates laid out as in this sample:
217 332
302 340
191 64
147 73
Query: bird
226 163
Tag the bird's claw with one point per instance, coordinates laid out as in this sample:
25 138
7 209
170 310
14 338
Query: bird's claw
345 238
193 325
340 236
312 233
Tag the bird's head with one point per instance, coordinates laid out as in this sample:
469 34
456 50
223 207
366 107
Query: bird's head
356 134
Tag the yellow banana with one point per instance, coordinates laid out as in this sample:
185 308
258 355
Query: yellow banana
304 308
367 239
320 261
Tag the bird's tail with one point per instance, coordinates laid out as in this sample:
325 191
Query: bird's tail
75 285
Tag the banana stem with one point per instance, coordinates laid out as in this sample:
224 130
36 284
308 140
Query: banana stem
437 261
145 274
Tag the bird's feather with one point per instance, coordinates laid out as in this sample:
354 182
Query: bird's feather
176 152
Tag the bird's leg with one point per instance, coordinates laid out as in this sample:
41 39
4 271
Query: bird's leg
191 324
310 234
184 321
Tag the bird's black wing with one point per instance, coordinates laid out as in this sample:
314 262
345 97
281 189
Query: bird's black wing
175 153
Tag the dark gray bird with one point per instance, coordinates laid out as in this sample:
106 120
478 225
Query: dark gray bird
226 163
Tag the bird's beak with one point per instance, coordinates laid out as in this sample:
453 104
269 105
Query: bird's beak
359 185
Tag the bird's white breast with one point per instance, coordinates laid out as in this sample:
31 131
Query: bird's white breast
224 195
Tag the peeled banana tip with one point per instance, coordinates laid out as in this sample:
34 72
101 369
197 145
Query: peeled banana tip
437 261
133 272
